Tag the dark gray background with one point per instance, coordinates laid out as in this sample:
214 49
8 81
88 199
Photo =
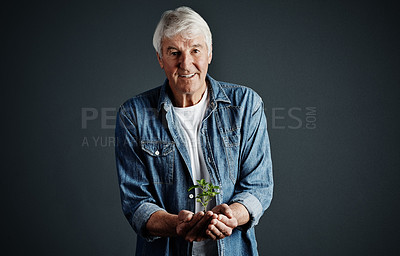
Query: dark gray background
336 186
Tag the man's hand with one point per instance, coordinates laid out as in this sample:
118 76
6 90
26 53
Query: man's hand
192 227
229 217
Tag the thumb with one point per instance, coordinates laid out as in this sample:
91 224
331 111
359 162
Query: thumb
185 215
226 210
229 213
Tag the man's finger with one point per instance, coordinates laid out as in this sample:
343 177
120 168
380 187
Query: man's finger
198 230
219 229
226 210
187 221
185 215
230 222
211 234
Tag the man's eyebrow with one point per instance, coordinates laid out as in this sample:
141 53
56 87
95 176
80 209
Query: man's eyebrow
193 46
172 48
197 46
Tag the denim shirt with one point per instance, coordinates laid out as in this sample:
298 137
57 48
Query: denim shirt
154 167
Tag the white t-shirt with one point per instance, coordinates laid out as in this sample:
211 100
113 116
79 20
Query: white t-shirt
190 119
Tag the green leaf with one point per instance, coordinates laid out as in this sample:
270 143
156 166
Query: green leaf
207 193
192 187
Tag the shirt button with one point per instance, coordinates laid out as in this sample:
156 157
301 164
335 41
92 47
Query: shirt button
191 196
157 153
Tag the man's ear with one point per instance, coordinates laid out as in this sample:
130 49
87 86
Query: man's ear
160 61
210 56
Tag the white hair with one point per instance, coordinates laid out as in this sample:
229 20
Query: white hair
181 21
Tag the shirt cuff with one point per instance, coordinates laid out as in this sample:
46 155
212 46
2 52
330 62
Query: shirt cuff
140 218
253 206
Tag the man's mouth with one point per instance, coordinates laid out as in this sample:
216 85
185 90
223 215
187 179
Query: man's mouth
188 76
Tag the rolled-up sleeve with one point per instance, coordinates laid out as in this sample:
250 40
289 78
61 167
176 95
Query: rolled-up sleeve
255 186
137 202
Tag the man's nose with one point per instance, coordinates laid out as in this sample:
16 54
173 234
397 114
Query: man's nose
186 61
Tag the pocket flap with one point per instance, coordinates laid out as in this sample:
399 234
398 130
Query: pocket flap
157 148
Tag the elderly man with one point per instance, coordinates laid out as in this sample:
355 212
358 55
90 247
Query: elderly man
190 128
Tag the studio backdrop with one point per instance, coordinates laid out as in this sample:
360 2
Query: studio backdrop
328 73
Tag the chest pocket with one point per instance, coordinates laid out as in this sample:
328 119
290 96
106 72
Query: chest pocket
159 158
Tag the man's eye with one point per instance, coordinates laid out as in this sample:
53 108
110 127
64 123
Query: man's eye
196 50
175 53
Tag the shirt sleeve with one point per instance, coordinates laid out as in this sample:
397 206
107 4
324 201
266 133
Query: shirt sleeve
255 185
137 202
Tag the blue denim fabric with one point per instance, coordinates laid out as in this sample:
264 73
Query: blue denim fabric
154 167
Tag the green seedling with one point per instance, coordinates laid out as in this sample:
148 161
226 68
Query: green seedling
207 194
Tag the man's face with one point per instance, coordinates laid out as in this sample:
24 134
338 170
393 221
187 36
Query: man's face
185 62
